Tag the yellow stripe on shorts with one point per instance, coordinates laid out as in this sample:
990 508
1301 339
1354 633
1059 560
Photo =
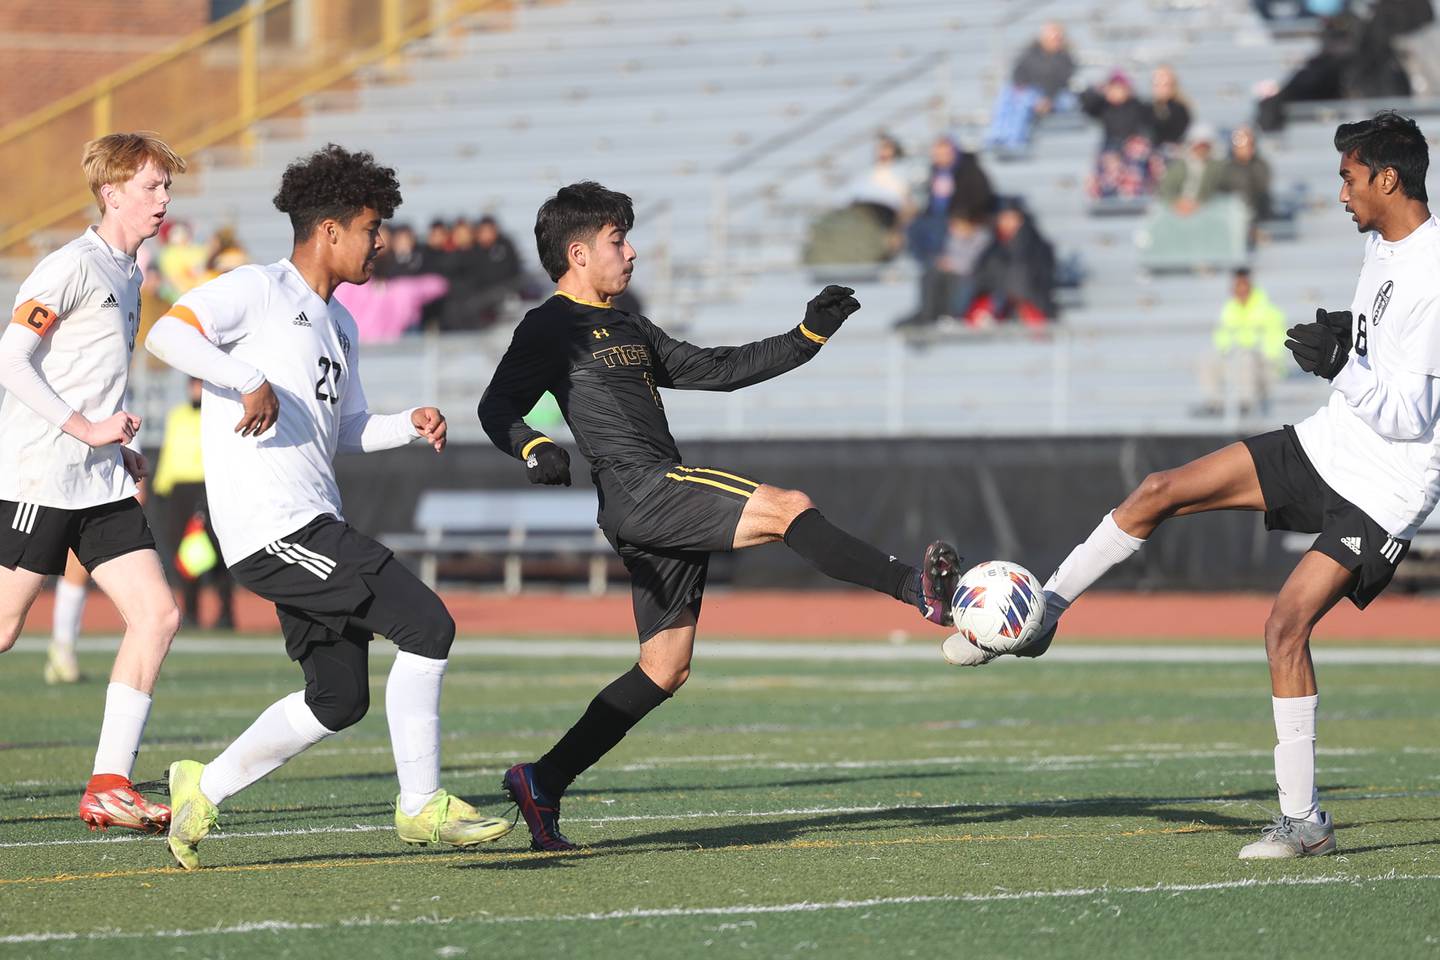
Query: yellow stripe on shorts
712 483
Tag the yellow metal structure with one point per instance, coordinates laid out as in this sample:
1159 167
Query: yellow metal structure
207 89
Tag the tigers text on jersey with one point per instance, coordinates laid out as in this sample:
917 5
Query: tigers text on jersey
260 489
1375 442
84 302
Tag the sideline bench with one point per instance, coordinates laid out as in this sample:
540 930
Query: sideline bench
510 524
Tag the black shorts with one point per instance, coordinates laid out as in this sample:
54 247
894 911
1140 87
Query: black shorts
666 541
1297 499
316 579
38 538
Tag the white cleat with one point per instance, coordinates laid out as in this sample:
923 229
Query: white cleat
1286 839
61 666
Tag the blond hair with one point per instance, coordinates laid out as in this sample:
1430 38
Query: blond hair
116 157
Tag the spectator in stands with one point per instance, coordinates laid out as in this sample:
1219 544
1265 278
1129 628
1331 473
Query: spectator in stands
403 256
1015 278
181 259
386 309
1249 348
948 283
437 238
483 269
226 252
1356 58
1170 108
1195 176
955 186
1127 166
1248 176
883 191
1039 85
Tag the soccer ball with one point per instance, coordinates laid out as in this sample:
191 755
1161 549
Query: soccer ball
998 606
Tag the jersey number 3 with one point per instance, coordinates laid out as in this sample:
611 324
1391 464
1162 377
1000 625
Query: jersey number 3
328 386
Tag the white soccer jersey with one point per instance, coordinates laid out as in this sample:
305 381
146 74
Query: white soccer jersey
1375 440
260 489
84 302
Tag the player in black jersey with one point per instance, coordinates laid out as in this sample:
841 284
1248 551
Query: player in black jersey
664 517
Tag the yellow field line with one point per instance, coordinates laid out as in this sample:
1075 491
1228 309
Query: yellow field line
528 855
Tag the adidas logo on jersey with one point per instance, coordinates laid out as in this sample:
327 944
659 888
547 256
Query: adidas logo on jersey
1353 543
302 320
110 301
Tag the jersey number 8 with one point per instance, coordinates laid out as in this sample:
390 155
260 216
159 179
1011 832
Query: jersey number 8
328 386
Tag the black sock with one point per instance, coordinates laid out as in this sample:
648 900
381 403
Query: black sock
605 722
836 554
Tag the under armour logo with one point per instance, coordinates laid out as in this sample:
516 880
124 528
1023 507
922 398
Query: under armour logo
600 333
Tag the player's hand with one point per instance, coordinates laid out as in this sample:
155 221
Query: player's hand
117 428
135 464
262 409
430 422
548 464
1318 349
1340 321
828 310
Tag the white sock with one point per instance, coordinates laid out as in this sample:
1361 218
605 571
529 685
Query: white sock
286 729
69 608
126 710
1295 757
412 706
1106 546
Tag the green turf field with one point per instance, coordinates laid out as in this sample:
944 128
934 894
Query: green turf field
774 809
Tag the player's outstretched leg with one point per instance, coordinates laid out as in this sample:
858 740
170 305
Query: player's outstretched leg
1223 480
773 513
536 788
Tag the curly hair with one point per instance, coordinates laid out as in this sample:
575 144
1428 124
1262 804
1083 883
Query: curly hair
577 212
335 184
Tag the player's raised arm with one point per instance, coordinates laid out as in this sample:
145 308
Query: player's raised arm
687 367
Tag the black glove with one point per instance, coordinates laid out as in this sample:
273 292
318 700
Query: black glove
548 464
1341 321
828 310
1318 347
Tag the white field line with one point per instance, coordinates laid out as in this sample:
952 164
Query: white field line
1057 804
819 651
730 910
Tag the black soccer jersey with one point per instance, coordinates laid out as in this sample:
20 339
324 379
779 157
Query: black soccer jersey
605 366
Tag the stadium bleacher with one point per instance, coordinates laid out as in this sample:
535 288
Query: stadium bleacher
730 148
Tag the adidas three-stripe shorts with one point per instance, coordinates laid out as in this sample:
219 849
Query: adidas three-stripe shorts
315 578
38 538
666 540
1297 499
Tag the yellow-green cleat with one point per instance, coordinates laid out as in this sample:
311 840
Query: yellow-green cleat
448 819
192 814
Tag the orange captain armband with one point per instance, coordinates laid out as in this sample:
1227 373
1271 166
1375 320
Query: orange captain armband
34 315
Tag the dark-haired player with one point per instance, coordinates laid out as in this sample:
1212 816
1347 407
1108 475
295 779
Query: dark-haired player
278 355
1363 472
663 516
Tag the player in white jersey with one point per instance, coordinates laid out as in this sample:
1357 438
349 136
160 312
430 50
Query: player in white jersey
262 334
1363 472
67 481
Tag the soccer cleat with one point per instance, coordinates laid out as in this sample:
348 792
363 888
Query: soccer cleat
61 665
448 819
1286 839
939 572
194 813
111 800
540 810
